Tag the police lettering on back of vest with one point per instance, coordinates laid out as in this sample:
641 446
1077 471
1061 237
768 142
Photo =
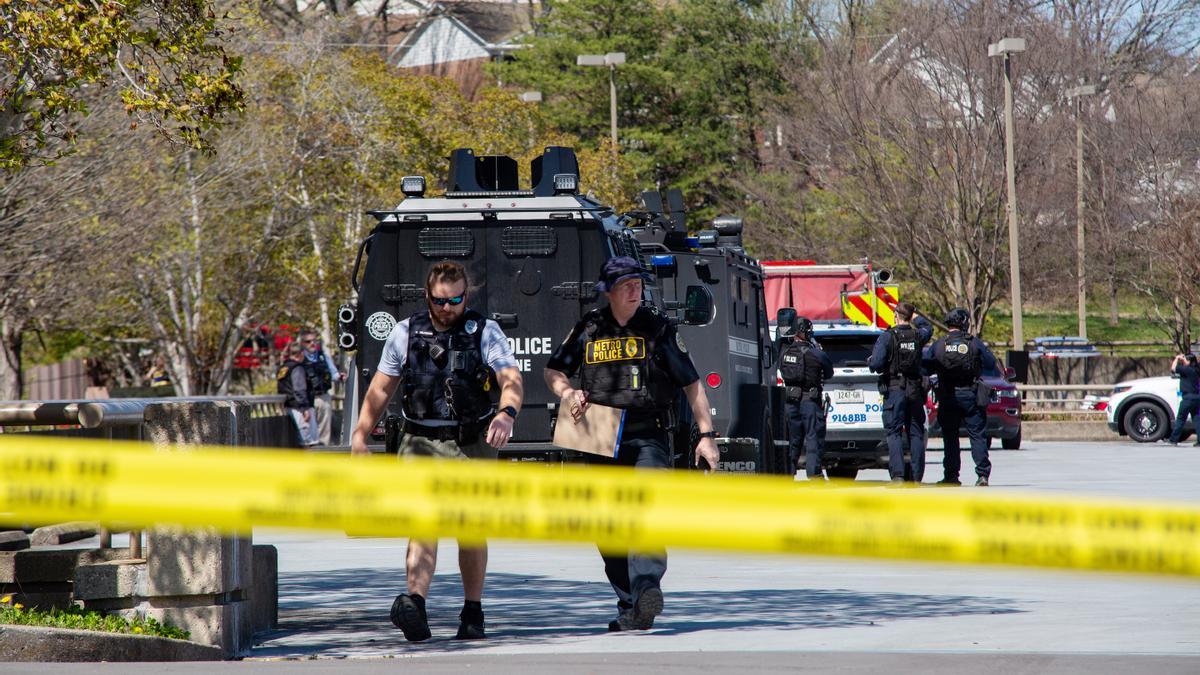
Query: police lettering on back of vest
794 366
904 362
445 374
959 360
618 368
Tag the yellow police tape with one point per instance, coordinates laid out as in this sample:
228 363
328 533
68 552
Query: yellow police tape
59 479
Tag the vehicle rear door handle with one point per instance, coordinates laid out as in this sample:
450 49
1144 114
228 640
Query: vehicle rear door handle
504 319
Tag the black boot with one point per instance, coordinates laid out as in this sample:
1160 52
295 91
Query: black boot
408 613
470 625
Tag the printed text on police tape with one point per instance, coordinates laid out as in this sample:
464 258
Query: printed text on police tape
51 480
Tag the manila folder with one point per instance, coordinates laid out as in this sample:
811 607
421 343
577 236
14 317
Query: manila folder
598 432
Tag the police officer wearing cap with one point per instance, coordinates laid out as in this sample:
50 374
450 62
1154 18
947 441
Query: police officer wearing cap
804 367
444 357
630 357
958 359
897 359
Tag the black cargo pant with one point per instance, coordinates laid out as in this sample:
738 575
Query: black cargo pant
1189 406
806 430
904 415
959 409
632 572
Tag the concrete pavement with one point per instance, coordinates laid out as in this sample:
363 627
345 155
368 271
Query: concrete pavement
547 599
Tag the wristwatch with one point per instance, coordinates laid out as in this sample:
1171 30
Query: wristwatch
708 434
512 412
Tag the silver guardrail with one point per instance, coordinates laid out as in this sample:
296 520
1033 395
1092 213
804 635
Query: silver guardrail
1063 399
106 413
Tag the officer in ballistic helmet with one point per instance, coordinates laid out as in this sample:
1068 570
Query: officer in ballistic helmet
804 367
630 357
444 356
897 359
1184 365
958 359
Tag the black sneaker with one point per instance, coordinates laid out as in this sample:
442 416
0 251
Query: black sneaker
982 482
950 481
408 614
649 605
470 626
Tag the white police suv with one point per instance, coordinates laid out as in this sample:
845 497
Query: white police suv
1144 409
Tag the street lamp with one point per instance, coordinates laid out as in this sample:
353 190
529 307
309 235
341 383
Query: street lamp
530 96
1077 93
1004 48
611 60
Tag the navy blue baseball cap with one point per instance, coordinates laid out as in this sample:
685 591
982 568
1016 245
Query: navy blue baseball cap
616 270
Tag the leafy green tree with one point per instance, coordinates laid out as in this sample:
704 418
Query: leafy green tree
166 56
690 95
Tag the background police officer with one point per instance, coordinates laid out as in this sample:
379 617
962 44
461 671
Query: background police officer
322 373
958 359
292 381
804 367
443 357
897 358
630 357
1189 394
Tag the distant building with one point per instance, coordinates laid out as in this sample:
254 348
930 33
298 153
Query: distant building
457 39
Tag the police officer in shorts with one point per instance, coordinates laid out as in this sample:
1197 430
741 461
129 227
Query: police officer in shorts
630 357
897 359
958 359
804 367
444 357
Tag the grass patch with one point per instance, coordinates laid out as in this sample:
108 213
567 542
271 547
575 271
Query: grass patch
14 613
1038 324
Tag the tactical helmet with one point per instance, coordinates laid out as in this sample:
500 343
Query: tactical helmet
958 318
803 327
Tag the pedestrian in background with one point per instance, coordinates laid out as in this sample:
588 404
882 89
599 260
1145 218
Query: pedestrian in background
804 367
322 373
897 359
445 357
292 381
1184 365
630 357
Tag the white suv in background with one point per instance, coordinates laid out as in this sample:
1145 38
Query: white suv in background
1145 409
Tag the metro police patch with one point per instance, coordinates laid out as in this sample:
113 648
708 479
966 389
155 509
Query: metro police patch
679 342
614 349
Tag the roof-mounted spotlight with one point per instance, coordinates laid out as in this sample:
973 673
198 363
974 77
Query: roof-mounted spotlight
413 186
727 226
566 183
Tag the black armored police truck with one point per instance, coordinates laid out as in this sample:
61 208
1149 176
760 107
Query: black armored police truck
533 256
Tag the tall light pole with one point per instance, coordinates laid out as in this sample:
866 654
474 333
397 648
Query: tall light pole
1077 93
611 60
1004 48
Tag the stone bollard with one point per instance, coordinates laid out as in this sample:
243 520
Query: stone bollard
200 580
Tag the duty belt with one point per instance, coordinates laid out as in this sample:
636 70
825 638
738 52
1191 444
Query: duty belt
442 433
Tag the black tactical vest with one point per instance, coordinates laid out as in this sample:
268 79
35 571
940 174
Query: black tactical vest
320 380
959 361
445 374
797 369
904 357
283 383
618 367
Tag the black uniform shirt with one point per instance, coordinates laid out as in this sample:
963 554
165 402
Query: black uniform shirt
1189 379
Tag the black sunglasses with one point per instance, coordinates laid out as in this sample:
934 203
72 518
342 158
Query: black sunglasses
442 302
